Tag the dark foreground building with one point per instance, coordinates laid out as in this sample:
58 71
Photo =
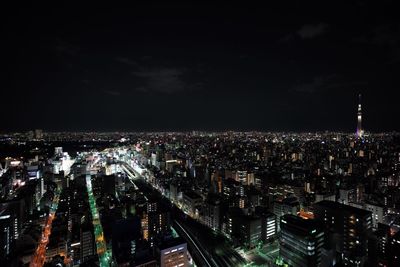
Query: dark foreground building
301 241
348 230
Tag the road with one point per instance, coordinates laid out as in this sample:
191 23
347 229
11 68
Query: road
40 254
102 252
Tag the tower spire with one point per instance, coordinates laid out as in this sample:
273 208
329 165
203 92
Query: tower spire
360 131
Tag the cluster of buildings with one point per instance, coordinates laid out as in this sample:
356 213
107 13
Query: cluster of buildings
23 197
137 224
320 199
255 188
136 228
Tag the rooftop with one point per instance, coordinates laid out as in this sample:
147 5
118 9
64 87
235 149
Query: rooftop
339 206
171 243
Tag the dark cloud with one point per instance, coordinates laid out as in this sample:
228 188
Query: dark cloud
67 48
386 35
126 60
112 92
162 80
382 36
309 31
146 57
287 38
328 82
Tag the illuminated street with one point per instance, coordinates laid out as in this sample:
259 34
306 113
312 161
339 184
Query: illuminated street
101 246
40 253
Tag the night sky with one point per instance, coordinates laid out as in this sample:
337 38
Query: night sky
295 67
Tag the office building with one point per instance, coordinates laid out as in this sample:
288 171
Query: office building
211 214
379 246
173 253
268 223
6 234
348 230
301 241
87 244
250 230
269 226
191 201
289 205
378 213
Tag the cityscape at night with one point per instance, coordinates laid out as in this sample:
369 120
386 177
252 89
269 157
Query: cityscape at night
201 134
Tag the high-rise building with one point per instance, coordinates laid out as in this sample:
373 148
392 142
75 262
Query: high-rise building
87 247
379 213
289 205
14 213
250 231
269 226
348 230
211 214
268 223
126 233
173 253
379 246
394 250
158 225
191 200
360 131
6 234
301 241
155 222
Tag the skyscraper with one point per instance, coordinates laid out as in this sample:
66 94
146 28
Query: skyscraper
301 241
360 131
348 230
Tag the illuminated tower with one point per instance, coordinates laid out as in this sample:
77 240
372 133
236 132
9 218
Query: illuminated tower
360 131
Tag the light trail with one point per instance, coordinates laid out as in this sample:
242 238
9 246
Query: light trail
40 254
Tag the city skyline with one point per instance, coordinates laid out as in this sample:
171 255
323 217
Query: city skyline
360 131
180 67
